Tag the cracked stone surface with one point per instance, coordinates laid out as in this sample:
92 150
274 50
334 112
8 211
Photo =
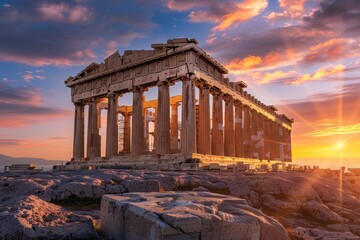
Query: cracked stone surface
184 215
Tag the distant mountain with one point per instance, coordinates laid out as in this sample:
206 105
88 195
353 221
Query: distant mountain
6 160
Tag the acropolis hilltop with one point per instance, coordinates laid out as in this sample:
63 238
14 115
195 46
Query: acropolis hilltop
240 128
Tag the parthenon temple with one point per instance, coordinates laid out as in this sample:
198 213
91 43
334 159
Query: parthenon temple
211 120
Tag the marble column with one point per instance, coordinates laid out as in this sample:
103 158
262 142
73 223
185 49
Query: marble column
127 132
155 131
254 135
282 142
204 120
163 119
78 147
289 152
138 140
112 126
93 136
174 128
188 117
217 131
276 141
229 147
247 132
260 135
272 140
239 139
266 138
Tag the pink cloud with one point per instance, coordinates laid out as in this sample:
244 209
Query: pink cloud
61 12
79 57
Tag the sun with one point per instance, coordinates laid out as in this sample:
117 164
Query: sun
340 145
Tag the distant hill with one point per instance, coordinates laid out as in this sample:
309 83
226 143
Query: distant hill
6 160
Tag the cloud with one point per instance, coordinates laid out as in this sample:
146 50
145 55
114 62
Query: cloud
28 76
271 76
22 106
342 16
225 14
10 142
244 11
64 13
330 50
67 33
338 130
270 60
319 74
342 104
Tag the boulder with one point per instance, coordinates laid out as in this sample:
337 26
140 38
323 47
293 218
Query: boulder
184 215
29 217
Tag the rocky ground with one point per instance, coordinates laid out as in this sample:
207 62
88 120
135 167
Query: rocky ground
65 205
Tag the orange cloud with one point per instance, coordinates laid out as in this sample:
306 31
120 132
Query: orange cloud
330 50
339 130
292 5
322 72
245 10
292 9
271 59
243 64
271 76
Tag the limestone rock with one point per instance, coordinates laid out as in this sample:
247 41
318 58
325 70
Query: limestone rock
321 212
271 202
314 234
29 217
184 215
142 185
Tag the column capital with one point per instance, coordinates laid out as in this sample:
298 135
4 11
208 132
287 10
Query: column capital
227 98
140 89
238 103
216 92
163 83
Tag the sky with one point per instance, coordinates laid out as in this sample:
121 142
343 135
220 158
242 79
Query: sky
300 55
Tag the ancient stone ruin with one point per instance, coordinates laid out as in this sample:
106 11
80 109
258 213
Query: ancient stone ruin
246 130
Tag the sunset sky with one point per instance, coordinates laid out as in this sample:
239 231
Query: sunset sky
300 55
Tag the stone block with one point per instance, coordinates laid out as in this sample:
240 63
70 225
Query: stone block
184 215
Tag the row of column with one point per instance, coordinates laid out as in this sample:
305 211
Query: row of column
245 132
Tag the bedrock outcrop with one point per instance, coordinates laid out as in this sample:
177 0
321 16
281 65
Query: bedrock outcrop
303 203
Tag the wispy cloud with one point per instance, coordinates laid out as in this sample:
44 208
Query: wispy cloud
339 130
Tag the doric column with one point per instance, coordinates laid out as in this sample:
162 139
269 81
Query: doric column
260 135
272 140
127 132
276 141
204 120
247 132
163 119
217 131
112 126
282 142
138 140
93 136
229 147
239 140
155 123
188 117
174 128
267 142
78 147
289 152
254 138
